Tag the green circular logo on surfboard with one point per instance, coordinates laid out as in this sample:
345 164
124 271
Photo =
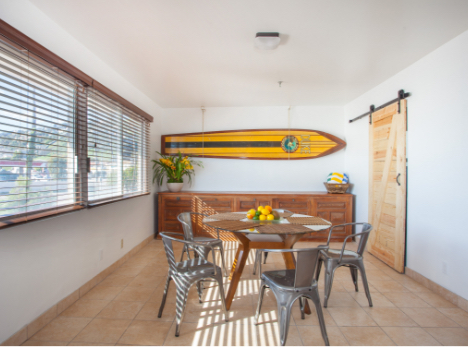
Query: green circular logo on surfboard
289 144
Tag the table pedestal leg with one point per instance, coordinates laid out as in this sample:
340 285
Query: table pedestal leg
242 255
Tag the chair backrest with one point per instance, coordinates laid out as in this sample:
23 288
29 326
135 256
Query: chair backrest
306 266
366 229
185 218
167 241
201 249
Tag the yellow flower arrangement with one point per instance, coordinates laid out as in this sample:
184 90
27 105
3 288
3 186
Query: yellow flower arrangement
174 168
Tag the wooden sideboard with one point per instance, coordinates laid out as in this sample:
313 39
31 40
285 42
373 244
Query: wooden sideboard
337 208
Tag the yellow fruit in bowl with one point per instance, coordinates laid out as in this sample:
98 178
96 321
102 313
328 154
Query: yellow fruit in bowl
250 216
270 217
268 208
265 212
252 212
260 208
262 217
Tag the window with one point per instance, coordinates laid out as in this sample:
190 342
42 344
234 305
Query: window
117 148
37 136
64 144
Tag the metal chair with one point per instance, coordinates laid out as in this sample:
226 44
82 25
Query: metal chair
186 219
188 272
290 285
334 258
264 238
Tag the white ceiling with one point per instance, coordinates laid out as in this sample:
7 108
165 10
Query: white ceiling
187 53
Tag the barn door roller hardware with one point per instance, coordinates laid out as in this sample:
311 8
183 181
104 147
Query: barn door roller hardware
401 95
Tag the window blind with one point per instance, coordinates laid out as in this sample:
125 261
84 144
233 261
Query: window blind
135 154
118 152
38 163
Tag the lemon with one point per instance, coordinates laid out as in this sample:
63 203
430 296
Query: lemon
252 212
265 212
270 217
262 217
260 208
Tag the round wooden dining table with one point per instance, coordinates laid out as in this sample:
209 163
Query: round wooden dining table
261 235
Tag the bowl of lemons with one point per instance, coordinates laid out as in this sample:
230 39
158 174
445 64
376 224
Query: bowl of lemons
264 215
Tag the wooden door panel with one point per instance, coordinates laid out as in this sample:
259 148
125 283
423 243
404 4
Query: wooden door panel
387 197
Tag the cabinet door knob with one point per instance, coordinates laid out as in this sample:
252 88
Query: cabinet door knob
216 199
294 200
255 199
178 198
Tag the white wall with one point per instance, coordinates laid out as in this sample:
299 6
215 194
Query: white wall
44 261
260 175
437 143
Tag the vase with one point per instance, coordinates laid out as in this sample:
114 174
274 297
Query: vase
175 187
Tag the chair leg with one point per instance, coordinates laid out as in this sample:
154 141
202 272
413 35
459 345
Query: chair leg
260 300
255 264
354 276
199 290
301 306
314 296
319 268
221 250
329 273
266 256
364 281
182 255
163 302
219 279
181 302
284 316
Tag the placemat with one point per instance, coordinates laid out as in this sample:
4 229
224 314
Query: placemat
285 214
307 221
231 224
283 229
229 216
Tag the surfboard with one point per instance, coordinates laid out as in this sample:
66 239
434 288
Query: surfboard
267 144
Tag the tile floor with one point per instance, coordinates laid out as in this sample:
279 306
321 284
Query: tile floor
122 310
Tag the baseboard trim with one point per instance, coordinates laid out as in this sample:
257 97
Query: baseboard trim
438 289
37 324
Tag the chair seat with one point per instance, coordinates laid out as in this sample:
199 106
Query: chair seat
195 267
206 239
335 254
283 279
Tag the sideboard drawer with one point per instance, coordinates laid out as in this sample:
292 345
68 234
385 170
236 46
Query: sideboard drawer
217 202
296 205
245 203
178 202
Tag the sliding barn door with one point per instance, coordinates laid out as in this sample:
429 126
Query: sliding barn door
387 191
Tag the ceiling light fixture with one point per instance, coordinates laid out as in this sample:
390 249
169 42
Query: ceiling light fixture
267 40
